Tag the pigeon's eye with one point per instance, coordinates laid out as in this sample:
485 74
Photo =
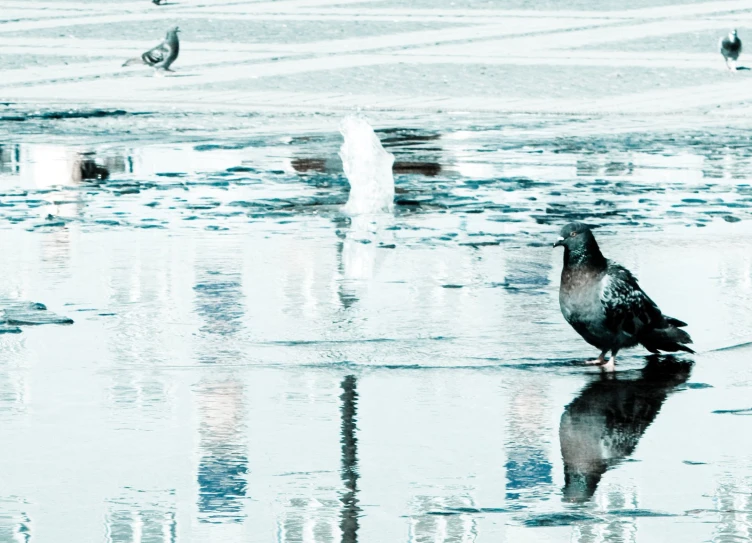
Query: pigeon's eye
573 234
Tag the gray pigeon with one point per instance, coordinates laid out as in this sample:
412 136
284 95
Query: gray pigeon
730 47
163 55
605 305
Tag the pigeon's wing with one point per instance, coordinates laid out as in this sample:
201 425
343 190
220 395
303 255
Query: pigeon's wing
627 308
156 55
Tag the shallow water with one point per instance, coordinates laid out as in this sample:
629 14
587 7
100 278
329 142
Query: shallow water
247 363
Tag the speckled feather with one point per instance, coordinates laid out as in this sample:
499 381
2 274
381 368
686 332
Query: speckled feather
626 306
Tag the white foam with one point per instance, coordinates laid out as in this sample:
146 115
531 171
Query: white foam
368 168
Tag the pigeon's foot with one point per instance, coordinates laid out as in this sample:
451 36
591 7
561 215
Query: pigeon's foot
598 361
610 366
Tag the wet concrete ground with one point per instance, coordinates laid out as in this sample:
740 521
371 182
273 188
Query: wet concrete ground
245 363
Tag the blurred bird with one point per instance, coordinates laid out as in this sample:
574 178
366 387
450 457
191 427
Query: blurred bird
163 55
605 305
730 47
156 2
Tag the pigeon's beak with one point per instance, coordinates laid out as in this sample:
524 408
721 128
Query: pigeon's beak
559 242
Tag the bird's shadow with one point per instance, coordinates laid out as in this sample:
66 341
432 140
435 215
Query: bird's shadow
743 68
604 423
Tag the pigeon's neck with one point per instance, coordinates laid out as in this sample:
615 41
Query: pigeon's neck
586 256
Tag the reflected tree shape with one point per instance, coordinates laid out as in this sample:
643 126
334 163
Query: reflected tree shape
349 523
604 424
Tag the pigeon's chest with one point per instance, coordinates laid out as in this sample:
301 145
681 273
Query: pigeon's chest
580 295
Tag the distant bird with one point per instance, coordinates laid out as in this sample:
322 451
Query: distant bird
730 47
89 170
157 2
605 305
163 55
604 423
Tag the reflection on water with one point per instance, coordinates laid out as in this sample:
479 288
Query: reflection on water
733 504
223 463
10 158
458 463
142 517
15 524
223 444
603 425
528 467
360 255
349 471
442 520
219 301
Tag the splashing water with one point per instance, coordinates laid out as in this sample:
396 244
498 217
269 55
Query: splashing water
368 168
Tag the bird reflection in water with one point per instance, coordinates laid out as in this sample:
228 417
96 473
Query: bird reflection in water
350 510
604 424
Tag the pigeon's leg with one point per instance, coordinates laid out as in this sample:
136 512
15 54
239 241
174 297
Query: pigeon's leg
610 366
727 63
598 361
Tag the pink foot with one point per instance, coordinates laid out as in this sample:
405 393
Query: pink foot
597 362
610 366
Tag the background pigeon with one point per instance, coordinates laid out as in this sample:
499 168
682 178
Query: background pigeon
157 2
605 305
730 47
163 55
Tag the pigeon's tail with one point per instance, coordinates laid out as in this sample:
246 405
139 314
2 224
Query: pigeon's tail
670 338
130 61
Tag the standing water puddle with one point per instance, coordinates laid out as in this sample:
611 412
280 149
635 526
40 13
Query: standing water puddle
248 362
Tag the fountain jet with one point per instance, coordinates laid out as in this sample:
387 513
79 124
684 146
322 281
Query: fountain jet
368 168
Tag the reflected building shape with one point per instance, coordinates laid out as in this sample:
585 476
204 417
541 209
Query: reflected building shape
14 391
604 424
309 519
733 503
223 463
528 468
443 519
142 517
223 457
10 159
219 300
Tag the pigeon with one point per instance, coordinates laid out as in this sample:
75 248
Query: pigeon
605 305
730 47
163 55
156 2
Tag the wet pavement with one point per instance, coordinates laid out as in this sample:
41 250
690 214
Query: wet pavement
247 363
197 344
